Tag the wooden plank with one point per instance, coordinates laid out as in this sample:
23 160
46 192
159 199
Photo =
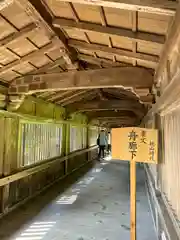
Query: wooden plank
10 155
43 14
45 49
23 33
71 96
49 66
113 51
83 96
22 174
171 43
163 7
57 95
121 32
101 61
2 144
134 17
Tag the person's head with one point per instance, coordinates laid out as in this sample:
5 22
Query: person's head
102 130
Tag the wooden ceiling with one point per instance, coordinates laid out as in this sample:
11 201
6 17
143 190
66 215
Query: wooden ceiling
46 37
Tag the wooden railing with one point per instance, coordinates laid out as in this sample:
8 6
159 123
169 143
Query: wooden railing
60 167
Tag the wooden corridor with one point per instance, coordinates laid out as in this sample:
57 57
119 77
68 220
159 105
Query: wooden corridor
95 207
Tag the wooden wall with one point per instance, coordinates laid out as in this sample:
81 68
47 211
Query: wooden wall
19 183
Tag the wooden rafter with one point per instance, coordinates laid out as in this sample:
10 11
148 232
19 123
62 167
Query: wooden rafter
125 33
98 78
27 58
111 113
118 94
23 33
93 106
117 119
164 7
40 11
58 95
101 61
49 66
134 29
71 97
113 51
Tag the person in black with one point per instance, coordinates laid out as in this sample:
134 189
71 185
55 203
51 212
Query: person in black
102 143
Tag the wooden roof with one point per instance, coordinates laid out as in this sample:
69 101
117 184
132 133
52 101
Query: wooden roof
55 36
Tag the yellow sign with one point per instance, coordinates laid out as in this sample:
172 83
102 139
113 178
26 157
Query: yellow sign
139 144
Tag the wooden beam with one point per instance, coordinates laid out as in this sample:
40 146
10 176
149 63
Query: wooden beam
41 13
113 51
91 79
83 97
170 45
44 94
119 93
101 61
49 66
35 169
163 7
101 95
45 49
23 33
110 113
70 97
134 16
58 95
121 32
114 119
93 106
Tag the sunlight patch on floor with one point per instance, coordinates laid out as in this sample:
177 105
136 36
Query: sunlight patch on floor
67 199
36 231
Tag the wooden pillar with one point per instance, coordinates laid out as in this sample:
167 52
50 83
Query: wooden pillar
10 155
67 144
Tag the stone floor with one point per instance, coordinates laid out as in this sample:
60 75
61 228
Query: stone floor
96 207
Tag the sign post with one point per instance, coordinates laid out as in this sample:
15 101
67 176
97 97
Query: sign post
133 199
134 145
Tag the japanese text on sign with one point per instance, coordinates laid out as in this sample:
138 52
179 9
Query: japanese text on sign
132 143
139 144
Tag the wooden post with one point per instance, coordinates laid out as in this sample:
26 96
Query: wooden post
133 198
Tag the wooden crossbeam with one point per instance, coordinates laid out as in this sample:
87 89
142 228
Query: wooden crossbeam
93 106
43 15
113 51
58 95
85 95
114 119
91 79
101 61
29 57
70 97
49 66
121 32
23 33
163 7
110 113
119 93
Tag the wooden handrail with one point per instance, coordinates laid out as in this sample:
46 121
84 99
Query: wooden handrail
24 173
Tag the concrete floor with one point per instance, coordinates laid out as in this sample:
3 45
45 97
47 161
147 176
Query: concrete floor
96 207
